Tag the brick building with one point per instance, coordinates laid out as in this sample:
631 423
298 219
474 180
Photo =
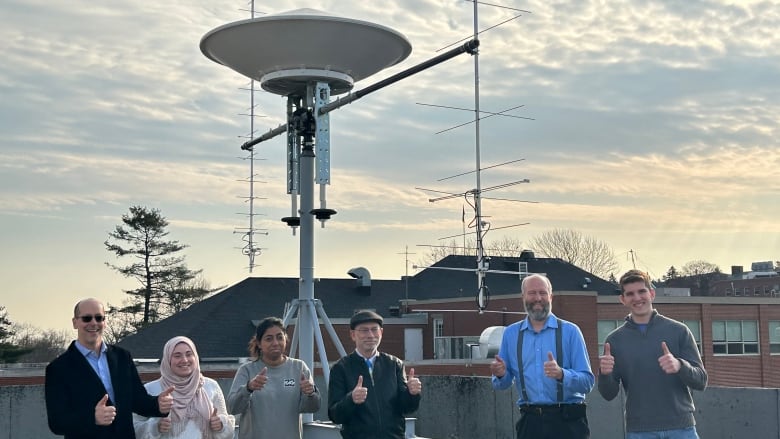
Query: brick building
432 320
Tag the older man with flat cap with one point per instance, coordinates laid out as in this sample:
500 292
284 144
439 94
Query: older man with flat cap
369 393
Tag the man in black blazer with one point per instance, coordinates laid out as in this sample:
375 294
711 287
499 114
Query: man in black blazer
369 392
93 388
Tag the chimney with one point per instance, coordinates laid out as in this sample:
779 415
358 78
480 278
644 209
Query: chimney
362 275
736 271
526 255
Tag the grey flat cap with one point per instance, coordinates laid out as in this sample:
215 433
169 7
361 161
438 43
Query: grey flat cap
363 317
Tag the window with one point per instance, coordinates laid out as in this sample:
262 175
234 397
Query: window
439 349
774 336
438 327
734 337
604 328
695 327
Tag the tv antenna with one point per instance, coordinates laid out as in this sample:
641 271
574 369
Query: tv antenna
406 253
474 196
306 56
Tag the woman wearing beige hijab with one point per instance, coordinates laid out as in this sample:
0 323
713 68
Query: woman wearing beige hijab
198 403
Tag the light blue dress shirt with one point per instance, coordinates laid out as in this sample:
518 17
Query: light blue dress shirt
369 363
99 365
578 378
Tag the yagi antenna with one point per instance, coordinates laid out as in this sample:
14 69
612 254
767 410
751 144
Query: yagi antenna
491 27
474 197
491 228
450 195
489 114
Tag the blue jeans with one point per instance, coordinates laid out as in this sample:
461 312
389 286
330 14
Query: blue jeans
683 433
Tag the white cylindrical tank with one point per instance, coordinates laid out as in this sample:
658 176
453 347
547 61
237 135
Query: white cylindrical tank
490 341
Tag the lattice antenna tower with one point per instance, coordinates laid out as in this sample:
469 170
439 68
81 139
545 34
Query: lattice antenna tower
250 246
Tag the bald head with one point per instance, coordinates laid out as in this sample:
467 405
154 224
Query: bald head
90 301
534 279
89 320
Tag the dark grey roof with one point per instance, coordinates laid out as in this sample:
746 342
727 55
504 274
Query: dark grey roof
436 283
221 325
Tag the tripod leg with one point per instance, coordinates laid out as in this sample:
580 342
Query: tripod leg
329 327
286 322
320 344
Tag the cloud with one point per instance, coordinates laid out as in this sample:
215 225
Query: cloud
653 127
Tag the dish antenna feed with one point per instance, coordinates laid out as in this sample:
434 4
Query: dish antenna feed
308 55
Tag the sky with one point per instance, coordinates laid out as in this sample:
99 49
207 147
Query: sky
651 125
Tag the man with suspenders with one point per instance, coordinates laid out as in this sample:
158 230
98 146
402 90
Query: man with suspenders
555 374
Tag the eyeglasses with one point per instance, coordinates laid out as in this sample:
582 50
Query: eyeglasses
541 293
88 318
365 331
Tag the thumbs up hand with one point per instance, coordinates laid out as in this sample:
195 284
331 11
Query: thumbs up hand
359 393
668 362
551 368
307 386
413 383
259 380
165 400
164 424
498 367
215 422
606 361
104 414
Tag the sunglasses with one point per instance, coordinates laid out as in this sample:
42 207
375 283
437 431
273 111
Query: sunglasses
88 318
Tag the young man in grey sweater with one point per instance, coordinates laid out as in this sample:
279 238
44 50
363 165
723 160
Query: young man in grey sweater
656 360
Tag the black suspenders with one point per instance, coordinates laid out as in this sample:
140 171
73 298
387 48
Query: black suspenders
559 359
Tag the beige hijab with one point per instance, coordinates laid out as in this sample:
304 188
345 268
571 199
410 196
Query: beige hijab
190 400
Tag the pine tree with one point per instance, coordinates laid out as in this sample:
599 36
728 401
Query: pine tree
671 273
9 352
166 284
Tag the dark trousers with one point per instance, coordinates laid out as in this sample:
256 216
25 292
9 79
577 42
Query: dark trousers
564 422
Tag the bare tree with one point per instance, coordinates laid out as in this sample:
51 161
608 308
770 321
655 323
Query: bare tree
185 292
43 345
698 267
506 246
453 247
122 321
697 275
586 252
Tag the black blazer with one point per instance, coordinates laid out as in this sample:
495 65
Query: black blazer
381 416
73 389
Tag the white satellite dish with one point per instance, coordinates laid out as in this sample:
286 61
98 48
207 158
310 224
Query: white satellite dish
285 52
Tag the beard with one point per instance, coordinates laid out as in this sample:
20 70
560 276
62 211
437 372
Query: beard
538 315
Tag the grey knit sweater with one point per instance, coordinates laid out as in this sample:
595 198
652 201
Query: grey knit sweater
654 400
